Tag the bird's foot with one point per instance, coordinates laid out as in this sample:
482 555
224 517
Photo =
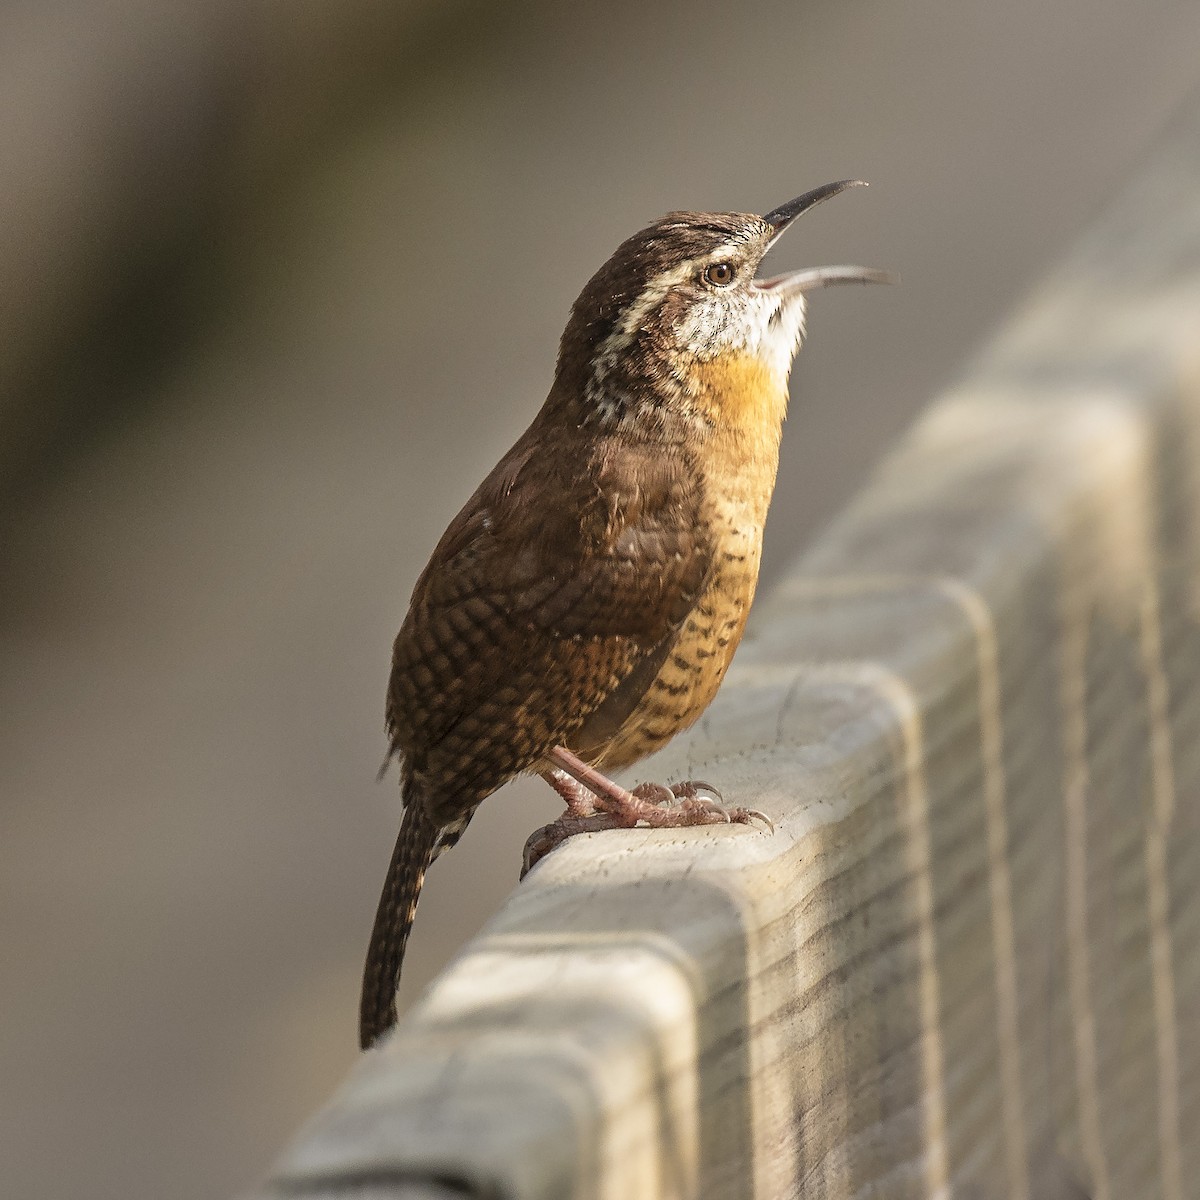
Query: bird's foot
681 804
595 803
550 837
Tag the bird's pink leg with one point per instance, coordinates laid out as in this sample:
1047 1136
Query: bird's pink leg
594 803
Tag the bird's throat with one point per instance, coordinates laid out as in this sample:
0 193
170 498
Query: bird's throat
745 401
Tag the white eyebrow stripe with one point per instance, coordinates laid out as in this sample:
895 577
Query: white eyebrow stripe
635 314
722 252
656 289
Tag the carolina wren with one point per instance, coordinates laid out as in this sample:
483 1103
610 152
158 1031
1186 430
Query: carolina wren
585 604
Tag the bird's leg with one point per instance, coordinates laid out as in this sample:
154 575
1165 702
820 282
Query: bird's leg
579 801
653 803
581 817
595 803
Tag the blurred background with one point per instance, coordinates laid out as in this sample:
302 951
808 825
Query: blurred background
279 281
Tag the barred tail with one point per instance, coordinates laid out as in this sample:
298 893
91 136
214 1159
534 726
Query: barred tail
416 848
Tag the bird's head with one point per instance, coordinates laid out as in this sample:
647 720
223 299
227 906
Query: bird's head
680 301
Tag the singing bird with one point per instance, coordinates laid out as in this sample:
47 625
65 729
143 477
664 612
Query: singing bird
585 604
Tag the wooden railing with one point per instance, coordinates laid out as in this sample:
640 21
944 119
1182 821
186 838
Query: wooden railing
967 962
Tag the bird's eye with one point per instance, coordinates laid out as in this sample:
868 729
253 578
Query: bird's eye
720 273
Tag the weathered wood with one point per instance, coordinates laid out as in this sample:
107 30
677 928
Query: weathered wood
967 961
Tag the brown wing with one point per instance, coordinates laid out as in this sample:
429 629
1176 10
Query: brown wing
548 590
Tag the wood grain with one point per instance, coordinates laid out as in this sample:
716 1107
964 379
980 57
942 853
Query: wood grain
967 963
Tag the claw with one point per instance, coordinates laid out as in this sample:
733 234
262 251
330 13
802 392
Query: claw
693 787
705 812
656 793
539 843
746 815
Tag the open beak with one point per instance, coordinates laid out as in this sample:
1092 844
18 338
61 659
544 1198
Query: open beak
811 278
